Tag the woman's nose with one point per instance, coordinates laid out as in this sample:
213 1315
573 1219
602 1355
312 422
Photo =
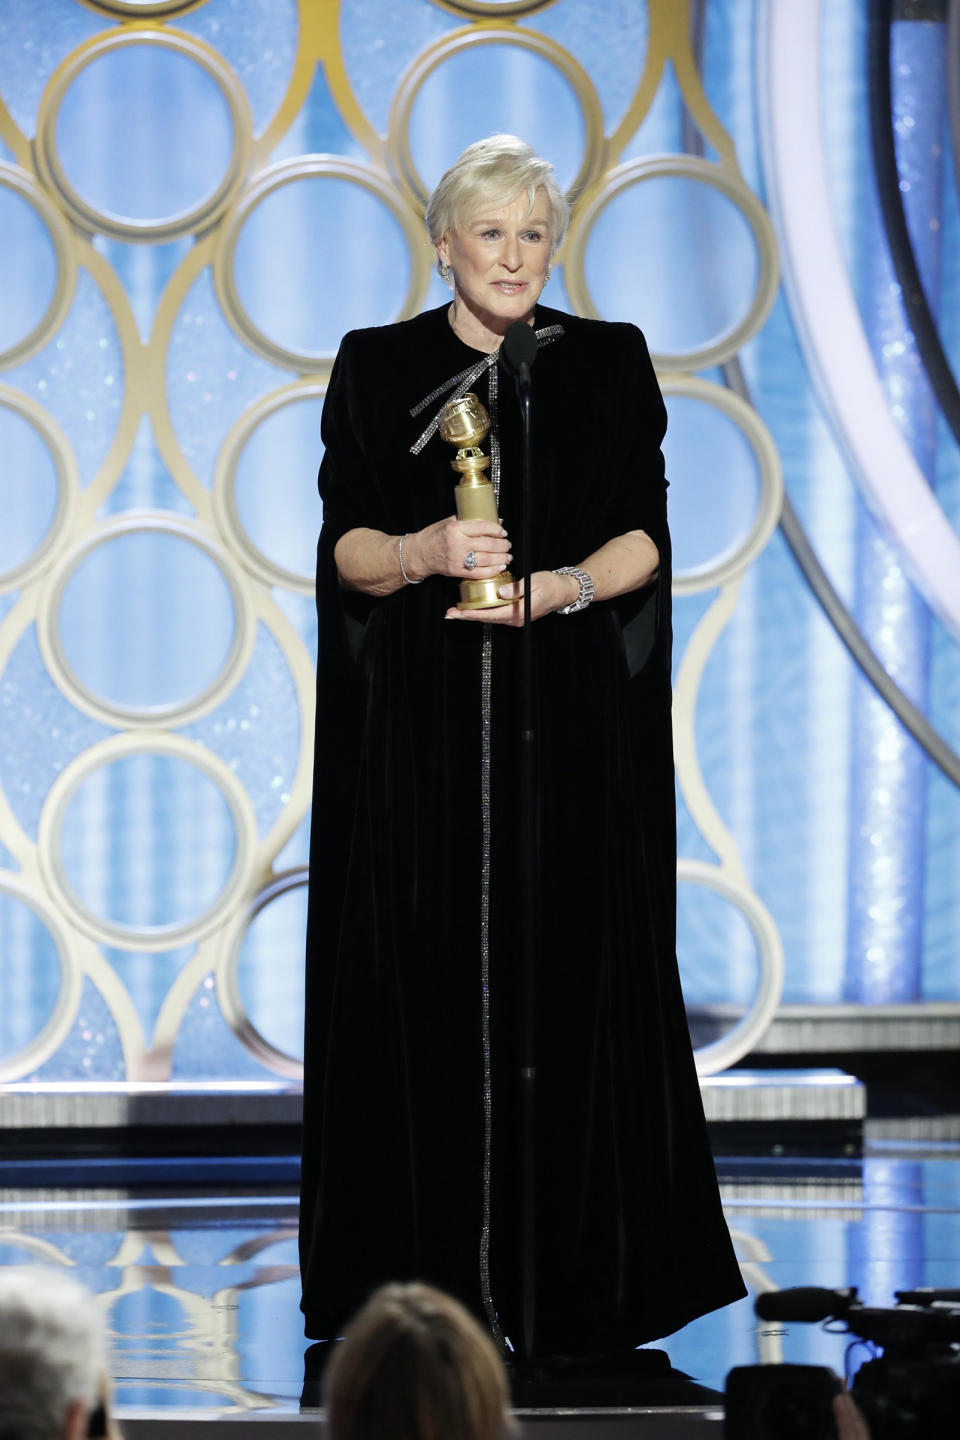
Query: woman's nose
510 256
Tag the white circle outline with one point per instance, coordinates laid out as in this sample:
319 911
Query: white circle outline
22 183
224 485
515 37
228 987
147 10
770 500
135 716
119 227
741 1038
107 752
65 470
687 167
57 1026
490 9
274 177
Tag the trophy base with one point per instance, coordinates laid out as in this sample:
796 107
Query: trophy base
482 594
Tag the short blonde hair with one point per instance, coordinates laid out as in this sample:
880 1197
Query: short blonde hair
494 170
52 1352
414 1365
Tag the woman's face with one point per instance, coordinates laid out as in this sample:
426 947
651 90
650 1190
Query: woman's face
499 260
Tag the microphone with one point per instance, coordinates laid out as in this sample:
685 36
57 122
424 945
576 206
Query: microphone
518 352
804 1303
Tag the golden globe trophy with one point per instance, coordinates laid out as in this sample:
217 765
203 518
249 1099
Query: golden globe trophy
465 423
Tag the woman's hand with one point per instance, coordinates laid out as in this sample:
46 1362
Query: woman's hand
848 1418
441 549
548 592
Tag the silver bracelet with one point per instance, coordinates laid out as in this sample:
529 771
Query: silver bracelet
406 577
586 589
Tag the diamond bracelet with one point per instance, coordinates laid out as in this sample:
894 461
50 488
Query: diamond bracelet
586 589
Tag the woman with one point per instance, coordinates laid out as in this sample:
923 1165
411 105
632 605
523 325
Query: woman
414 1365
412 1149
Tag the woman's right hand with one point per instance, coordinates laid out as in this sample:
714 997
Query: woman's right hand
441 549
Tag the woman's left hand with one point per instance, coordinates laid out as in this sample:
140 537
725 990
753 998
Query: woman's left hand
548 592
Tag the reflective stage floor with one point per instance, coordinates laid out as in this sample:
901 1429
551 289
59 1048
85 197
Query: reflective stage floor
200 1287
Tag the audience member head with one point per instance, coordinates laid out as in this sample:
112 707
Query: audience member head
414 1365
52 1356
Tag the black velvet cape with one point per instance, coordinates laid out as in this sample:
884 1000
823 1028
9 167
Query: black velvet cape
631 1240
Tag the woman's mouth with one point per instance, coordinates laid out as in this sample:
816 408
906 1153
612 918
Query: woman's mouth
509 287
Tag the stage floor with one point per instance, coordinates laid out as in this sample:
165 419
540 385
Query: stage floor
200 1287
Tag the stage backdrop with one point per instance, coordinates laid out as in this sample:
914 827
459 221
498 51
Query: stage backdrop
197 199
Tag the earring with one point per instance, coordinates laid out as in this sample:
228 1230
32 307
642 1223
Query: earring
444 270
546 278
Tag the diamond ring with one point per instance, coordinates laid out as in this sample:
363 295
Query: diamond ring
470 559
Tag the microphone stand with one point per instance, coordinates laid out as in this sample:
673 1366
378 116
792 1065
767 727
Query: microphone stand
529 872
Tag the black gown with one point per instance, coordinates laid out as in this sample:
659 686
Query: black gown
412 1145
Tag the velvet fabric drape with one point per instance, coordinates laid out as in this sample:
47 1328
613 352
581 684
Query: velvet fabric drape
631 1241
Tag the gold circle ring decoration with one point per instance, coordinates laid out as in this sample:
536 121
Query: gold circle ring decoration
231 526
51 1036
490 9
741 1038
65 468
22 183
456 43
228 989
142 9
118 227
147 717
147 937
731 564
271 179
687 167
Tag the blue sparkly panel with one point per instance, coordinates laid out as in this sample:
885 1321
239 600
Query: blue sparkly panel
729 54
713 461
28 994
278 504
257 730
301 611
609 38
379 39
346 263
146 483
206 1048
661 131
92 1049
34 38
697 243
143 271
78 377
718 959
318 128
886 902
28 489
297 849
40 732
146 619
258 39
211 377
27 252
140 159
270 971
147 840
147 978
490 89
